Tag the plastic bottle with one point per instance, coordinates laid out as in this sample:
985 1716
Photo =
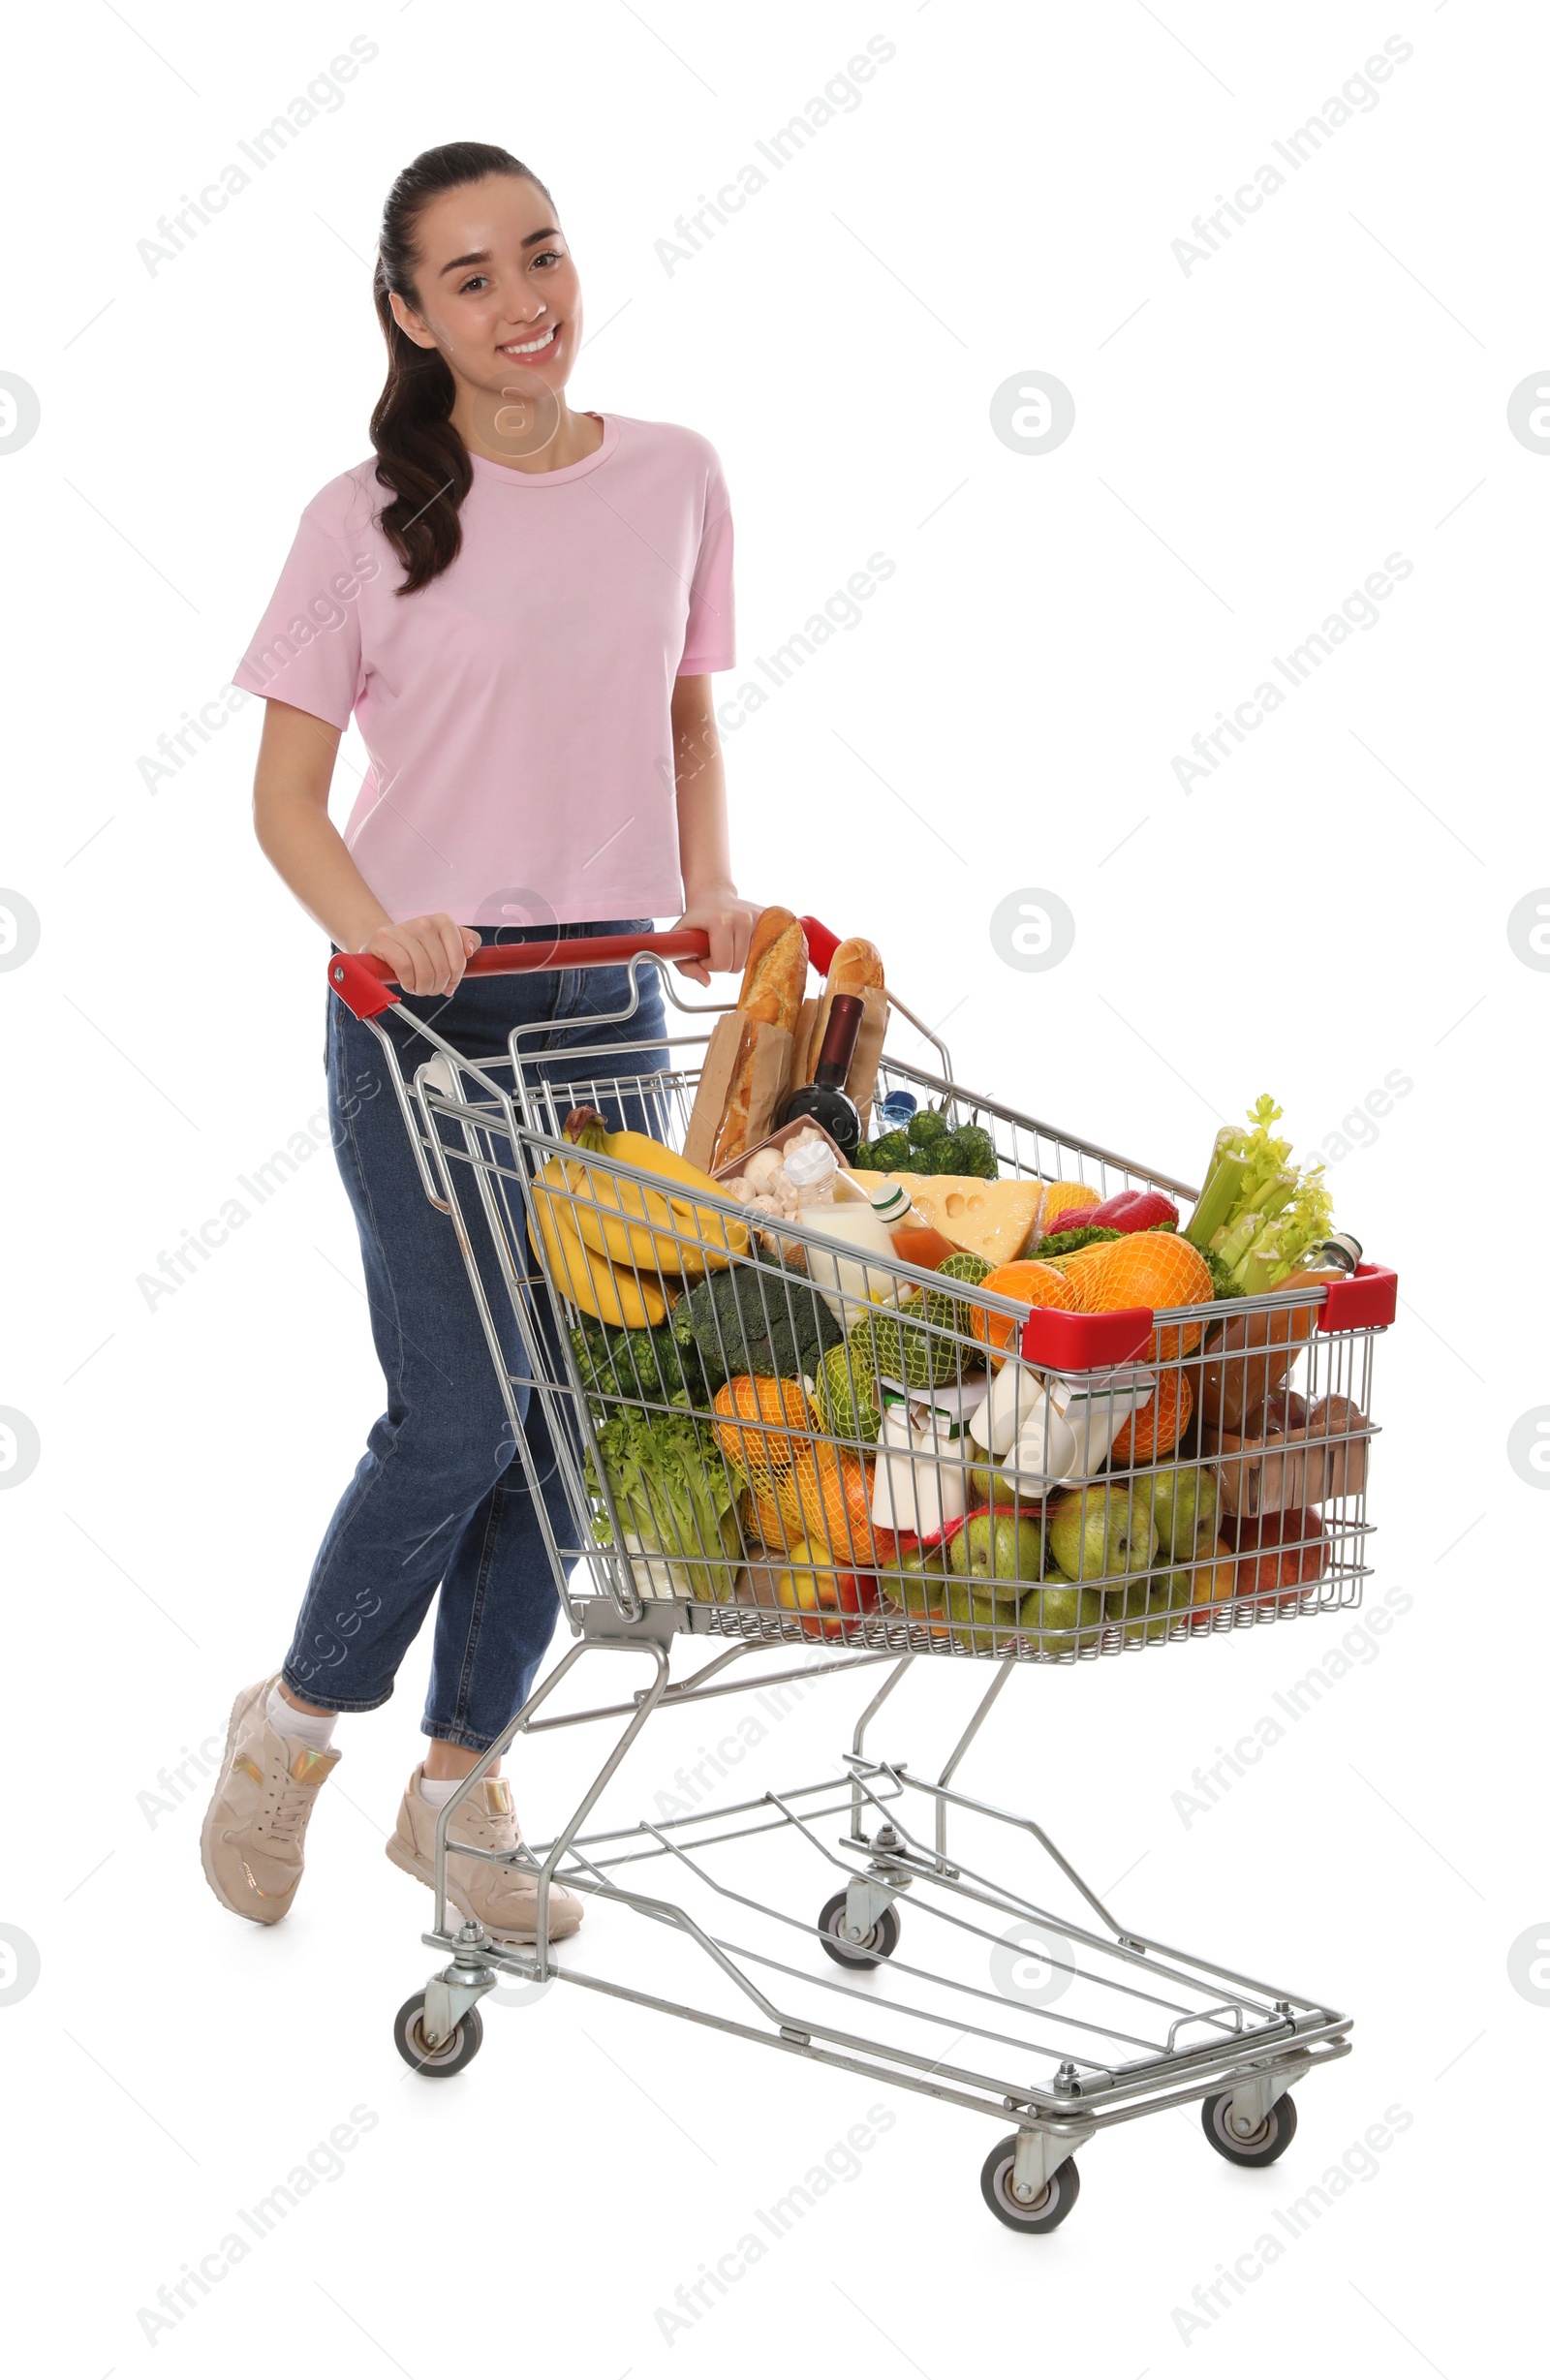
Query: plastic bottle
1340 1255
812 1170
915 1240
846 1284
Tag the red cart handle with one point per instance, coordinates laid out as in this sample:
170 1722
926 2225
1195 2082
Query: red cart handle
1367 1299
822 945
363 983
1058 1341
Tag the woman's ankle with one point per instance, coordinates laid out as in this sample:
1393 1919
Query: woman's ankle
451 1762
299 1721
312 1709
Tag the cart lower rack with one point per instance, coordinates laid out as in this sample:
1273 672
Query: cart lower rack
882 1468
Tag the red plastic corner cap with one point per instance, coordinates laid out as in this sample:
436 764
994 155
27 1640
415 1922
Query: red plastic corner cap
822 945
359 984
1367 1300
1059 1341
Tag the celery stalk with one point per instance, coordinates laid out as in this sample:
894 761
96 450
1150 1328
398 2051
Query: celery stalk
1219 1148
1277 1194
1260 1258
1240 1239
1218 1202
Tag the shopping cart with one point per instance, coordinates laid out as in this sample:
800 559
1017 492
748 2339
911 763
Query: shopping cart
782 1382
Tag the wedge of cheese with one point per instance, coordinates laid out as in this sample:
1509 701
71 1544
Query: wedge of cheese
990 1218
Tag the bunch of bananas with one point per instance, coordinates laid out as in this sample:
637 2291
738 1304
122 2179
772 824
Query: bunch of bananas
612 1243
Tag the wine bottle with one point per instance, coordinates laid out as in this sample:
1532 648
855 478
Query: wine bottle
824 1098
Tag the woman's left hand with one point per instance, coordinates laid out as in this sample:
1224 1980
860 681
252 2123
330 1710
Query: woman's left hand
729 921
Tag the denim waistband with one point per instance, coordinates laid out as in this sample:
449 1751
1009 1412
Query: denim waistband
587 929
562 932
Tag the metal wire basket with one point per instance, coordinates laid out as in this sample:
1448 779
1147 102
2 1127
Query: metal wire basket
873 1453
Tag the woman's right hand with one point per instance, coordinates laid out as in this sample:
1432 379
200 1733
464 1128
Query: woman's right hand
426 954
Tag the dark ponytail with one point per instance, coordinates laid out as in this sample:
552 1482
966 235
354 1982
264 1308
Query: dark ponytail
419 455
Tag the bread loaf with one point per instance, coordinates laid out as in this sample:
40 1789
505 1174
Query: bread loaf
856 966
774 980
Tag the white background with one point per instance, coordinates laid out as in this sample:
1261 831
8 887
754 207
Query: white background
1252 439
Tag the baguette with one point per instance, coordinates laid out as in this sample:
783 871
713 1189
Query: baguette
774 980
856 966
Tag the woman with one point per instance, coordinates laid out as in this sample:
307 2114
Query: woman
521 604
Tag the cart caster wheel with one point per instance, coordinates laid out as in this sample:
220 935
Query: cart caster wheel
1044 2212
449 2057
1261 2146
881 1943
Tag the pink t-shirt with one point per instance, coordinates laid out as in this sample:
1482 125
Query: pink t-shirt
516 710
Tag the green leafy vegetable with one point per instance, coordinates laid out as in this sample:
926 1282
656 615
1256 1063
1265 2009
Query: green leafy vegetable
1283 1239
1222 1283
756 1319
676 1496
648 1365
1256 1215
1080 1235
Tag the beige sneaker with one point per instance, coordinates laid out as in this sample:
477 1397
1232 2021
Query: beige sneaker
504 1900
251 1843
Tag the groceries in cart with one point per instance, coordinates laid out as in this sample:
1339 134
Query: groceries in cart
934 1387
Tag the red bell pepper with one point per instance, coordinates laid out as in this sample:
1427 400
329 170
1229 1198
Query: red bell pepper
1128 1210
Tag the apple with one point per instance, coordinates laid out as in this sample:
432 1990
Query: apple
1211 1580
1101 1533
996 1546
1182 1501
807 1587
1279 1550
1062 1613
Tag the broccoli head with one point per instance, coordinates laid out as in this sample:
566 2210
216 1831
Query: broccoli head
889 1154
926 1128
973 1152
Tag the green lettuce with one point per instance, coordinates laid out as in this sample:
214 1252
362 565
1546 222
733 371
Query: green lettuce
674 1494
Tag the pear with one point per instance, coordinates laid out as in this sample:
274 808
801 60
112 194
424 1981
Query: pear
1150 1606
982 1616
995 1547
1067 1616
1184 1504
917 1581
1101 1533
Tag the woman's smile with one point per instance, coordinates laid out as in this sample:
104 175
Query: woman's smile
530 347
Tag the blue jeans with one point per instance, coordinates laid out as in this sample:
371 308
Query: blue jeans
438 1499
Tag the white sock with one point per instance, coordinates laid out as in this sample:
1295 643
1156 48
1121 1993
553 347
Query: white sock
438 1791
314 1728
